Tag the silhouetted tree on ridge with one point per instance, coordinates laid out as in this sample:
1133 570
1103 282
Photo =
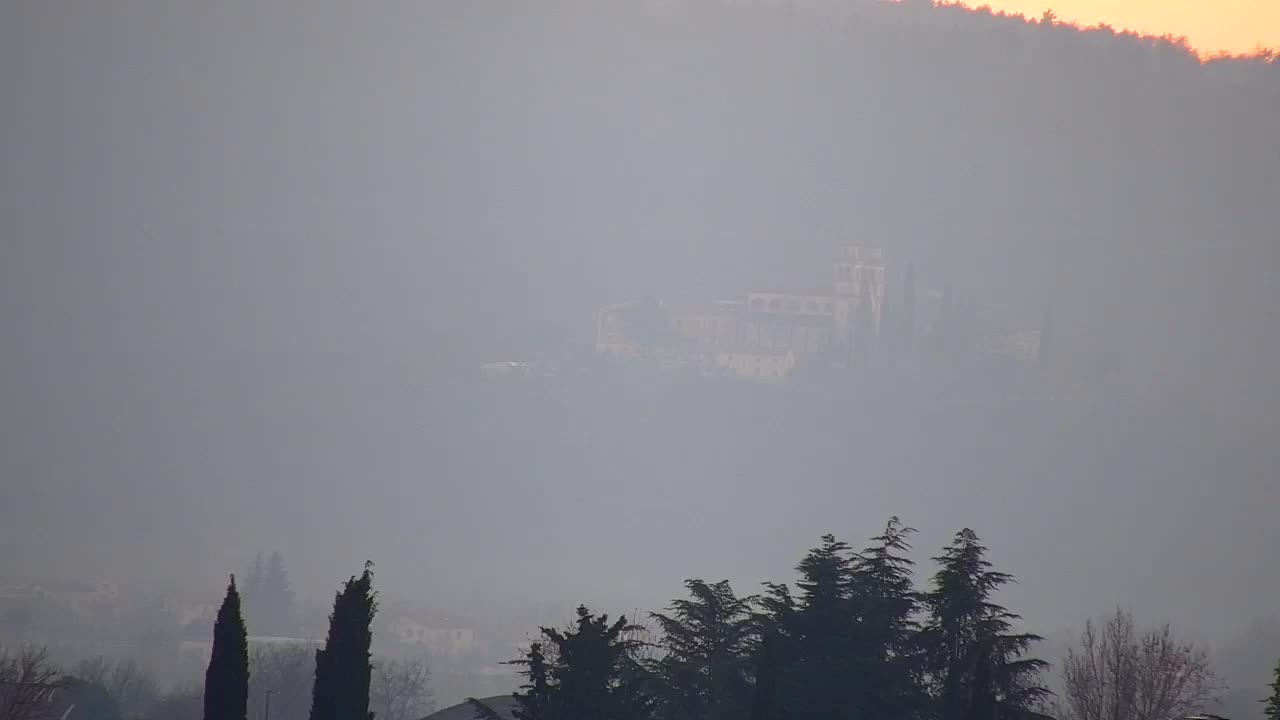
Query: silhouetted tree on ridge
765 690
709 644
817 630
226 682
885 605
974 659
590 670
849 643
343 670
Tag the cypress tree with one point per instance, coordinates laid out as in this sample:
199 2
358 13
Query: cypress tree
226 682
1271 705
343 670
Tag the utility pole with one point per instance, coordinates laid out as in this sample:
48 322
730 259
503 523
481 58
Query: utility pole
266 709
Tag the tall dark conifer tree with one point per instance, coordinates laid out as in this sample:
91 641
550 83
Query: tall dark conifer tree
709 644
816 632
764 694
974 660
595 674
885 603
343 670
588 672
534 702
226 682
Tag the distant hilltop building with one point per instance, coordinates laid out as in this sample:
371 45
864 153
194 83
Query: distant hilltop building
763 336
440 635
196 653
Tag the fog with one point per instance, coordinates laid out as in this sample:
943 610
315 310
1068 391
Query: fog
253 255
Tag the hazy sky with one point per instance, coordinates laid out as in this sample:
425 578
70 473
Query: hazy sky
1210 25
252 256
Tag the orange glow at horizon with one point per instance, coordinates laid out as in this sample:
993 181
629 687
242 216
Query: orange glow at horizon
1235 26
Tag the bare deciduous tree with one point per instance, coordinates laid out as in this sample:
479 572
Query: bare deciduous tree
1120 673
132 687
28 682
400 689
287 673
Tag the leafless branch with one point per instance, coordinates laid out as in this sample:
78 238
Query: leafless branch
1120 674
400 689
28 682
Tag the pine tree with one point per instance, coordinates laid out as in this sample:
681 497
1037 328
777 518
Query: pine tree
534 702
268 597
589 671
974 660
1271 705
226 682
280 614
253 586
343 670
816 632
845 647
596 674
885 604
709 641
764 694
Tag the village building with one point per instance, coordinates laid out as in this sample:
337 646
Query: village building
764 336
435 634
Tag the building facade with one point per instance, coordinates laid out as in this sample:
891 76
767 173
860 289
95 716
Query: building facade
764 336
445 638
